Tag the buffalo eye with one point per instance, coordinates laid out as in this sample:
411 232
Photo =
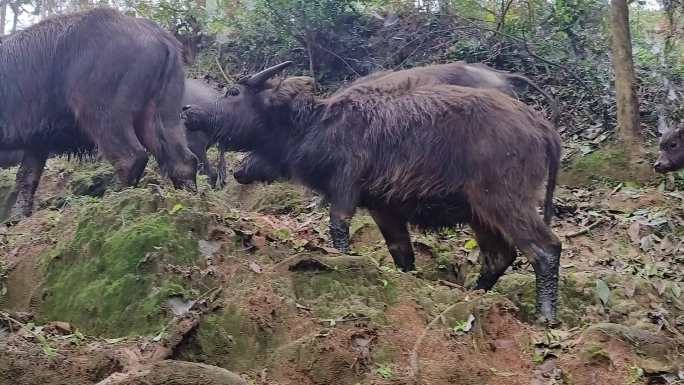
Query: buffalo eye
673 145
232 91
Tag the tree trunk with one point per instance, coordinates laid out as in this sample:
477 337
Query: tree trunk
625 93
15 17
3 17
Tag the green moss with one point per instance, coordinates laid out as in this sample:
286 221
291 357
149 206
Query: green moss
93 179
348 288
280 199
110 278
601 165
594 354
6 186
233 341
610 164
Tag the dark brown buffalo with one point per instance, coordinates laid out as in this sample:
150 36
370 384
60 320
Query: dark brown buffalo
476 75
435 156
96 79
671 157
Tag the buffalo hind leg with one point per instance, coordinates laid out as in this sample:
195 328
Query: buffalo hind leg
27 179
397 238
519 222
496 255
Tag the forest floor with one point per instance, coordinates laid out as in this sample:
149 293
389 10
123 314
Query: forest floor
156 286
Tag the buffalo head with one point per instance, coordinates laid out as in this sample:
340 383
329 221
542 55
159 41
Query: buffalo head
671 157
252 108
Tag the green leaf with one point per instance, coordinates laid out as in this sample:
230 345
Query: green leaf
676 290
603 291
471 244
178 207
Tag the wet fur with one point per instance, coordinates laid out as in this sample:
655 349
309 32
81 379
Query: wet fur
459 73
44 107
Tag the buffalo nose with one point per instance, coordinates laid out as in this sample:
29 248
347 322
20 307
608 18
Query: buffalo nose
186 107
239 176
659 166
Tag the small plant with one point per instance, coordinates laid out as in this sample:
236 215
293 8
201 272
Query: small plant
636 374
385 371
464 326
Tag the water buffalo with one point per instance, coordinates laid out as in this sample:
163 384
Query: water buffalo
95 79
476 75
435 156
671 157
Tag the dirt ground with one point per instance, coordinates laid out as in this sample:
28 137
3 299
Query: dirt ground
155 286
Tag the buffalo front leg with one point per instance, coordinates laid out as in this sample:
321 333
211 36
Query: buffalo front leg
496 255
27 180
342 207
221 170
397 238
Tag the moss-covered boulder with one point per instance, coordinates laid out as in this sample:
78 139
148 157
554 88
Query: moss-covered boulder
116 274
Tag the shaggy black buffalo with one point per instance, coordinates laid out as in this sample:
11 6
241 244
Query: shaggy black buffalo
257 169
96 79
434 155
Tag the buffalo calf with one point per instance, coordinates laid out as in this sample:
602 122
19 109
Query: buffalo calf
671 157
434 155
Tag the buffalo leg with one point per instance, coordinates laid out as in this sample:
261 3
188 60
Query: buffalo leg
397 238
117 141
27 180
221 170
496 255
342 207
519 222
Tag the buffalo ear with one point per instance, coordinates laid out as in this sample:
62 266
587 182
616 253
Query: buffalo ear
289 89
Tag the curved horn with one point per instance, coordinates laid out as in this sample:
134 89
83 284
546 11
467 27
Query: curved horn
260 77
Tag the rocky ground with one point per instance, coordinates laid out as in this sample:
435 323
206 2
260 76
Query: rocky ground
105 285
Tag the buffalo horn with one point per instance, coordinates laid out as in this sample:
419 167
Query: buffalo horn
260 77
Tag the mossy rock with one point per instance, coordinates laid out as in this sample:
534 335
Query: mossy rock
607 164
656 353
111 278
232 340
335 287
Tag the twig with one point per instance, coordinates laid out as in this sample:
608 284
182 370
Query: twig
616 189
450 284
218 64
339 57
584 230
527 49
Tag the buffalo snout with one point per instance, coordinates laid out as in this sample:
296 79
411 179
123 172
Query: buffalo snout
662 165
242 177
